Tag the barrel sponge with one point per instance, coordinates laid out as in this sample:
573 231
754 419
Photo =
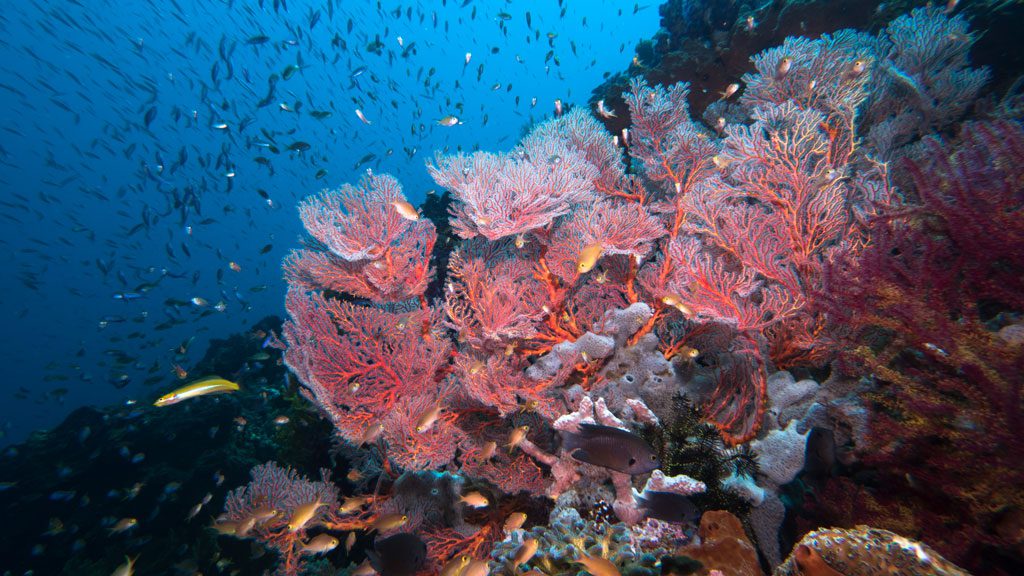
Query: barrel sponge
744 487
624 322
588 347
640 372
787 398
780 454
766 521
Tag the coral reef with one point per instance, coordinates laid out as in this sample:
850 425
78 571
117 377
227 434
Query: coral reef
603 278
169 469
796 277
708 44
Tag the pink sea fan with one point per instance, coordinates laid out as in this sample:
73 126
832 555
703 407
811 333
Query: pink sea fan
924 83
579 131
823 74
281 489
400 273
362 245
512 473
492 380
429 449
715 290
500 195
675 152
785 162
619 228
357 223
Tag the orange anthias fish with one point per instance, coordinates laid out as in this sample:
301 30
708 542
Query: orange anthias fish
406 210
588 258
303 514
126 569
598 566
180 372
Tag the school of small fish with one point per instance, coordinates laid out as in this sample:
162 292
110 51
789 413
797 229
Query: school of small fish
150 196
152 160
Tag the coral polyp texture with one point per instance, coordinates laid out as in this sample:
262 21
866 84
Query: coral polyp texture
864 551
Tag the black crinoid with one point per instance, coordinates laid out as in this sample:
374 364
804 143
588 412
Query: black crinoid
689 445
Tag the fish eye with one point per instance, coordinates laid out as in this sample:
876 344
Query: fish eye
632 461
654 457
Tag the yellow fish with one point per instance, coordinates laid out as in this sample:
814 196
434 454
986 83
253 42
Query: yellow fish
474 500
598 566
456 566
124 524
487 452
386 522
364 569
516 437
353 503
320 544
514 521
427 419
201 387
226 528
476 568
303 514
350 541
126 569
525 551
588 258
677 303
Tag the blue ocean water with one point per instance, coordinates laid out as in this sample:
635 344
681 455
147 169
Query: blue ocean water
137 157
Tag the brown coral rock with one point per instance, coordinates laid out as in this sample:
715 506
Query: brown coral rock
864 551
723 545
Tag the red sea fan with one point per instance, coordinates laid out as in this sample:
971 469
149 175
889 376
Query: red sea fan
357 223
402 272
492 298
822 74
676 154
579 131
359 364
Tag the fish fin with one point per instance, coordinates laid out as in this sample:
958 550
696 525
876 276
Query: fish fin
570 441
642 502
581 455
590 430
374 559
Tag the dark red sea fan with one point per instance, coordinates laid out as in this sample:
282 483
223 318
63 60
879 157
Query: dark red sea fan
929 311
976 196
